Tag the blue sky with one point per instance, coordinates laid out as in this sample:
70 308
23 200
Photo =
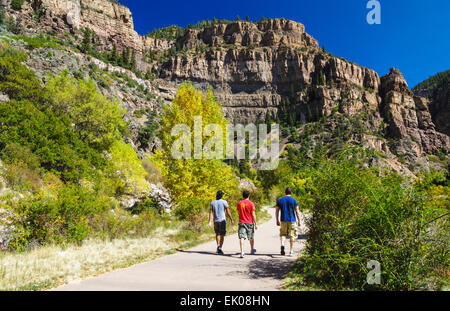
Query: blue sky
414 35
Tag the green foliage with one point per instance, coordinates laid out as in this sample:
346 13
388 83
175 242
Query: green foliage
40 41
150 129
438 79
62 145
2 16
188 178
97 121
194 211
127 164
359 215
58 218
17 4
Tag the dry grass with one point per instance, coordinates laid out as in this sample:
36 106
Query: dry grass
52 266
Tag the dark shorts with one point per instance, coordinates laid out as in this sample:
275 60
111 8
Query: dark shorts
246 231
220 228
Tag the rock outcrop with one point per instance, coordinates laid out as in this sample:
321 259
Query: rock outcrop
111 22
409 118
270 69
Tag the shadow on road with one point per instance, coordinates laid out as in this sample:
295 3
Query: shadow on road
203 253
231 254
274 269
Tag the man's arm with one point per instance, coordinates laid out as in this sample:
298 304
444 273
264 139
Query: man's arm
254 219
297 211
277 215
210 217
229 215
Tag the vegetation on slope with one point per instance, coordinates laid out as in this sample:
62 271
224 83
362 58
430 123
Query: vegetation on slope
437 80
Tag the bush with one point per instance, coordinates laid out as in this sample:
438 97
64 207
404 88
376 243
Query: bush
359 216
62 217
194 211
17 4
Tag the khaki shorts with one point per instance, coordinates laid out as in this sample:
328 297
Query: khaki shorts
289 230
246 231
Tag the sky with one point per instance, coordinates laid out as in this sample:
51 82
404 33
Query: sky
414 35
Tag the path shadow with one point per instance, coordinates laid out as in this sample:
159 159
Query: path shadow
204 253
274 269
273 256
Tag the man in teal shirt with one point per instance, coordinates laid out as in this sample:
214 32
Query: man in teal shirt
290 218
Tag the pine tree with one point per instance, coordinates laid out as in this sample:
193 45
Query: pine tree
133 61
114 55
247 18
86 43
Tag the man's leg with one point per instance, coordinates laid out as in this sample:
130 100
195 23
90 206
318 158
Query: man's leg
283 239
292 244
221 240
252 244
241 242
218 239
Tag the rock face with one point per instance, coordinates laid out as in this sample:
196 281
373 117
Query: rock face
269 33
409 118
440 109
270 69
253 81
439 104
111 22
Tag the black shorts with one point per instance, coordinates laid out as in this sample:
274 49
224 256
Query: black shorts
220 228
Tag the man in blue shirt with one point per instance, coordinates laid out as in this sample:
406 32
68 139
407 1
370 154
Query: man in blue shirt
290 218
217 210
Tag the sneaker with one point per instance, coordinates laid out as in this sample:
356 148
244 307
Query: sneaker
220 251
291 254
282 251
242 255
253 252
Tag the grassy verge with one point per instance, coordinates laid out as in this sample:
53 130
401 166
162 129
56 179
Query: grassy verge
295 279
52 266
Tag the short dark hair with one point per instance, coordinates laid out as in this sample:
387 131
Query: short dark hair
246 194
289 191
219 195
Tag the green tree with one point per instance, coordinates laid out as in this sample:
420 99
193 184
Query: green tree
97 120
193 178
17 4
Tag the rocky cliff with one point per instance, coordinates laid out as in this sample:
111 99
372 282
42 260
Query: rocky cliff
271 69
111 22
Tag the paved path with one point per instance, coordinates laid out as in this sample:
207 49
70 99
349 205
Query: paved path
200 269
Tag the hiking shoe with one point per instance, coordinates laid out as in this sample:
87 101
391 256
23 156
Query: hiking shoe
292 254
282 251
253 252
219 251
242 255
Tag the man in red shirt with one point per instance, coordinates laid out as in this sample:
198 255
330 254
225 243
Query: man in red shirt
247 222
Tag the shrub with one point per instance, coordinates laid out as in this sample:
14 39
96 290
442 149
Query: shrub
62 217
17 4
359 216
194 211
97 120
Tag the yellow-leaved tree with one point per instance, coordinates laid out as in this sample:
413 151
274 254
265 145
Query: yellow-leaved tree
191 178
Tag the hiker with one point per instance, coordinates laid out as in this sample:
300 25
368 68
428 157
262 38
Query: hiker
290 218
218 208
247 222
